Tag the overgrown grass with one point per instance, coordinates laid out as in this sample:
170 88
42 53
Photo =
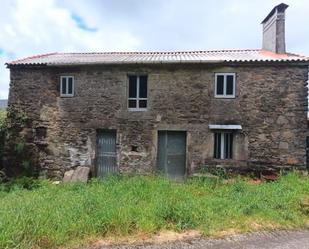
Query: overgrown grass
55 215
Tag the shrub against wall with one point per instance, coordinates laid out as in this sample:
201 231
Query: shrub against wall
3 126
2 130
20 151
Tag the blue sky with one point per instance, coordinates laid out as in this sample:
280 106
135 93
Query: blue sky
31 27
80 22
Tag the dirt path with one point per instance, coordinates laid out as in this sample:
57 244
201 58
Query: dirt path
258 240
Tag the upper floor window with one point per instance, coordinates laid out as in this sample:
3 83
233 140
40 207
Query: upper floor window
225 85
66 86
138 91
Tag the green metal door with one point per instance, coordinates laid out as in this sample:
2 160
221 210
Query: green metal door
106 158
171 159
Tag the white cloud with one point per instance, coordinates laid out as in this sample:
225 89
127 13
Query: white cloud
4 78
35 26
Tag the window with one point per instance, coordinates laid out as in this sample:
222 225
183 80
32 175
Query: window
223 146
137 92
225 85
66 86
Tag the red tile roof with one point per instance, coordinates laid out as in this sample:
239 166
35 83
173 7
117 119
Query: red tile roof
211 56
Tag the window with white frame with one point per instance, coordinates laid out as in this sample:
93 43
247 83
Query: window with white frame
66 86
225 85
223 145
138 91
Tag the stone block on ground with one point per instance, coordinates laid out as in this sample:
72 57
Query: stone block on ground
68 175
80 174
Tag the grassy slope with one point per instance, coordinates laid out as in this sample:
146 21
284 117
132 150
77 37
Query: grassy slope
51 215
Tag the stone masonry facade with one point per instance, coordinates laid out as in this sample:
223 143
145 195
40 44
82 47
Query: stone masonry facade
50 134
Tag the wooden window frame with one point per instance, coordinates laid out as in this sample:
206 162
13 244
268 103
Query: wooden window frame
67 94
137 99
224 95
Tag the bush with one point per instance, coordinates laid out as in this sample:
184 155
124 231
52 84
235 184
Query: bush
20 183
3 121
3 127
220 172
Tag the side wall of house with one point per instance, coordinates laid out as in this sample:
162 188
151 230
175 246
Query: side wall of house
55 134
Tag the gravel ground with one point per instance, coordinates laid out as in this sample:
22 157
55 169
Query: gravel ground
258 240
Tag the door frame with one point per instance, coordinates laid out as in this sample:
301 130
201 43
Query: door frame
187 140
96 149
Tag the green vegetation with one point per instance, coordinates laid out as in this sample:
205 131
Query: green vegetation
3 126
38 214
2 120
19 146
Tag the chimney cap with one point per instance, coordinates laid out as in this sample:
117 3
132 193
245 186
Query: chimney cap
280 8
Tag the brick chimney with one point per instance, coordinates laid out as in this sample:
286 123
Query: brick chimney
274 30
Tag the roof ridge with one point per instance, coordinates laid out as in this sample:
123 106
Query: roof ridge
31 57
296 54
164 52
286 54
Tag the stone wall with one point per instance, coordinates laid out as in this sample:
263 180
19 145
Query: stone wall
58 134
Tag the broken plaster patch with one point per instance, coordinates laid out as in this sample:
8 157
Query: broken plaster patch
80 156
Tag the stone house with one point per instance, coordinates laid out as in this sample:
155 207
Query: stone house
174 112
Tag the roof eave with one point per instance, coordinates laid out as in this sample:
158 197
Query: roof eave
11 65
